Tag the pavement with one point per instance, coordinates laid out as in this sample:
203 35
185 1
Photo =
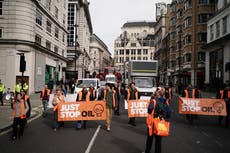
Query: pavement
204 136
6 112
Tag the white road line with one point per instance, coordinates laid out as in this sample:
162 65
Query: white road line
93 139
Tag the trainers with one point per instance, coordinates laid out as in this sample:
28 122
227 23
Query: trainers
55 129
108 129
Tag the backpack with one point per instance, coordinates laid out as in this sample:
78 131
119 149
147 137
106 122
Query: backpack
162 109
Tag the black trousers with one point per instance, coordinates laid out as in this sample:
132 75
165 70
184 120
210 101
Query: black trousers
149 143
227 118
1 98
21 122
57 124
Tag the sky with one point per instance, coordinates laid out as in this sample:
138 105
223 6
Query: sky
108 16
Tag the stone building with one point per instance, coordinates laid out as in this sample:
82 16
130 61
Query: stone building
38 29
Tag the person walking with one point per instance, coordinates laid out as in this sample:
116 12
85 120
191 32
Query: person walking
92 92
226 96
83 95
2 91
58 98
117 97
157 108
132 94
168 94
110 105
20 108
44 96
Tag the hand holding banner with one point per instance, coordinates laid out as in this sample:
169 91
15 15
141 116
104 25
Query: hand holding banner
202 106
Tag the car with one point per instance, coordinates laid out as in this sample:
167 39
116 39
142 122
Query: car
86 82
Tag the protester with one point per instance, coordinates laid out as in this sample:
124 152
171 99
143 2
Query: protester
92 92
110 105
58 98
2 91
20 108
132 94
117 98
157 108
226 97
26 99
168 94
50 85
83 95
44 96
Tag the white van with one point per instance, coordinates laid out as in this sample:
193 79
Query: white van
86 82
111 78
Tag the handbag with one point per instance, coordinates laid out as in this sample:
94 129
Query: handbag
161 127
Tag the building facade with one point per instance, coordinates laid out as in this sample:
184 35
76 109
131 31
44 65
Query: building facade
136 42
188 33
218 46
38 29
80 30
99 54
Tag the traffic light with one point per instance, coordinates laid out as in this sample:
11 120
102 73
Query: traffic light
22 63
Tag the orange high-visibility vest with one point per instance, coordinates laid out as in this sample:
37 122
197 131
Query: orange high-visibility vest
228 94
58 100
128 94
80 96
187 94
43 93
23 115
150 118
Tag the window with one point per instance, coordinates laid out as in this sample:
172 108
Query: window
188 22
133 51
133 44
1 7
63 37
56 49
188 57
173 21
173 35
201 56
179 13
48 26
38 18
145 52
56 32
187 39
38 39
121 52
224 25
127 59
48 4
203 2
1 31
211 32
217 29
178 29
56 12
127 51
202 37
139 58
139 51
48 45
71 23
187 4
203 18
173 7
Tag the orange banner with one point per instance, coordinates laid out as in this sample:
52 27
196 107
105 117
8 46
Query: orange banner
72 111
138 108
202 106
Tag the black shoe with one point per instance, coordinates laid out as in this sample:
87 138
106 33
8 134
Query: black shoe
133 124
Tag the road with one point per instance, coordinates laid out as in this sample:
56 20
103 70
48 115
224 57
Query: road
204 136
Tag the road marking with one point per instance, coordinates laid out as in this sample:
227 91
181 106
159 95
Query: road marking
92 140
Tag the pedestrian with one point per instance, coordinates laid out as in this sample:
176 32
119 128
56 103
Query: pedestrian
168 94
191 92
20 108
92 92
157 108
83 95
110 104
25 87
44 96
117 97
2 91
50 85
226 97
132 94
58 98
26 99
17 88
